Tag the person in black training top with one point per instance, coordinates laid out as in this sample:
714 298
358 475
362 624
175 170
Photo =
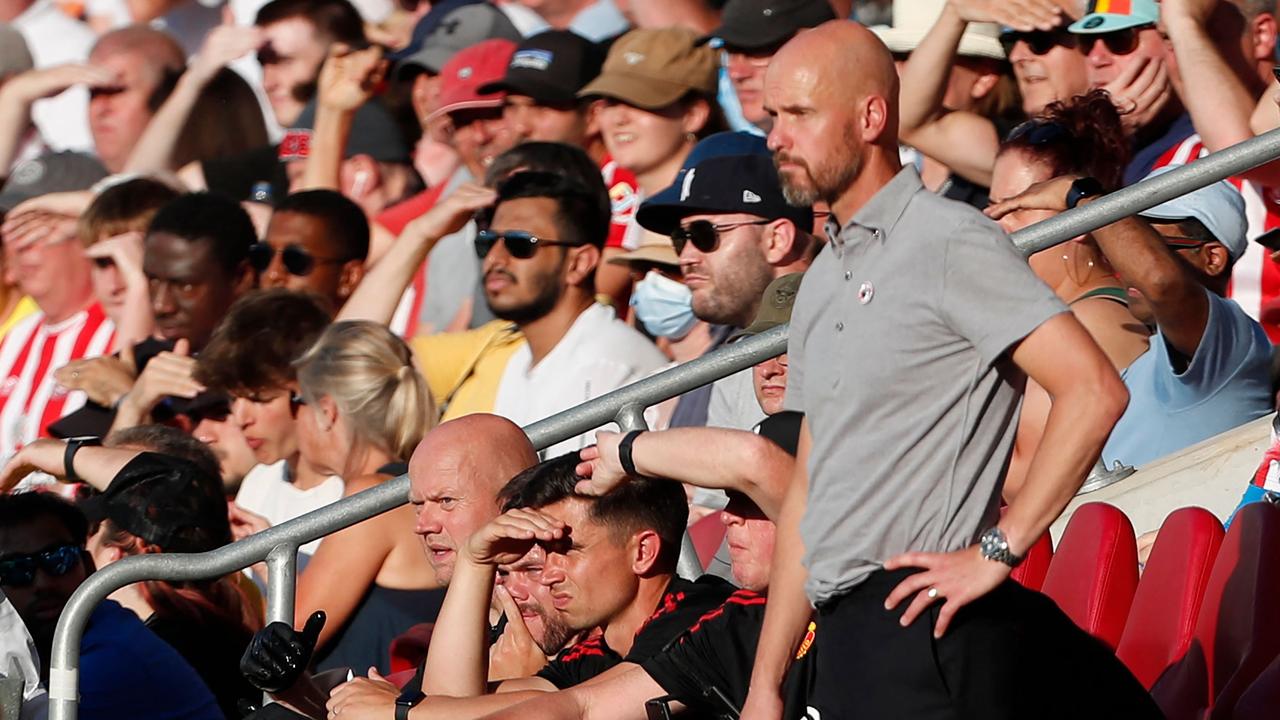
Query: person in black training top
610 565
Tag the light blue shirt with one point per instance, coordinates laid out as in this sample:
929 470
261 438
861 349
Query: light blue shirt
1226 384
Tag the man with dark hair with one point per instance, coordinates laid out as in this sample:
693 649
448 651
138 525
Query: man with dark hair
296 35
125 669
318 241
610 565
166 441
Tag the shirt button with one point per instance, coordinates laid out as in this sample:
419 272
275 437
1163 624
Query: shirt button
848 275
839 327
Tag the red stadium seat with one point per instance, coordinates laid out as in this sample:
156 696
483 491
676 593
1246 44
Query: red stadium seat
1170 593
1031 571
409 648
1236 635
707 533
1094 571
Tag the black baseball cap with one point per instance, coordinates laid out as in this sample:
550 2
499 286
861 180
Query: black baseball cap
725 184
550 67
783 429
167 501
374 132
761 24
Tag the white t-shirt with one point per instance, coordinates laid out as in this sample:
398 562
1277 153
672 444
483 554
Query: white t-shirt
265 491
55 39
19 661
598 354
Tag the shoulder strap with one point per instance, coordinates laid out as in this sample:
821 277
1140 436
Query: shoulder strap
1114 294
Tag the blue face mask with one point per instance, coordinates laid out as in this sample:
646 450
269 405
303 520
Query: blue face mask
663 306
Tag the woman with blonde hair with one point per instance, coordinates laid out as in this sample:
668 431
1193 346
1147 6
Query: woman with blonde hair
361 410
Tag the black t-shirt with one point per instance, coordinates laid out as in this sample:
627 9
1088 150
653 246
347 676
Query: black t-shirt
213 648
718 651
682 604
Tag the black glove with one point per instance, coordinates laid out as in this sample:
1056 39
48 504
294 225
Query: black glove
278 654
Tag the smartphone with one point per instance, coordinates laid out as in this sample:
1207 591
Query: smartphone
1269 240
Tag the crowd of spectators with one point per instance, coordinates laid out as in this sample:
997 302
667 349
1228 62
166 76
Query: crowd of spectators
263 255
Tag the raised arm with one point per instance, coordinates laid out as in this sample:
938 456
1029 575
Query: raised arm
1141 258
378 293
1221 107
965 142
347 81
96 466
716 458
19 92
788 612
154 151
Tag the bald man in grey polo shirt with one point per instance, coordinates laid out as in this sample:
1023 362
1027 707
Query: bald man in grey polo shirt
910 343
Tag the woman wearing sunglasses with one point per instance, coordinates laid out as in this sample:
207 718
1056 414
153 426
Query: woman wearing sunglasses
958 95
1084 138
362 409
657 99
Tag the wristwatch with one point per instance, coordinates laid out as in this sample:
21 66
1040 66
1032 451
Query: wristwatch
995 546
624 453
68 456
407 701
1082 188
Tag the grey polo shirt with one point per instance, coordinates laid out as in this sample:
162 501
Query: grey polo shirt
898 358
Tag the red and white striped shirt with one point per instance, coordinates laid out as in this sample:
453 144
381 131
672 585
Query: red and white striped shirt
30 352
1255 279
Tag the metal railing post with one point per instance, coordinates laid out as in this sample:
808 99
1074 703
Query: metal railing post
282 583
577 420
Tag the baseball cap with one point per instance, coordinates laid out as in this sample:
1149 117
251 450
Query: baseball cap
783 429
775 306
1219 207
462 78
168 501
374 132
726 184
15 57
760 24
550 67
456 31
1106 16
56 172
912 20
653 68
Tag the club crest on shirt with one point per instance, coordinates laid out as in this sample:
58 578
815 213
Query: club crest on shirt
805 644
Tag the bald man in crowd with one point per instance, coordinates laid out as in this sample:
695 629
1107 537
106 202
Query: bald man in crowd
907 561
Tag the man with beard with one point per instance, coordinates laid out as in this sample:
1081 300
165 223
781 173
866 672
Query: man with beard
907 351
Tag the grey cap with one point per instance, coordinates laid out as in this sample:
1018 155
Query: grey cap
15 57
58 172
460 29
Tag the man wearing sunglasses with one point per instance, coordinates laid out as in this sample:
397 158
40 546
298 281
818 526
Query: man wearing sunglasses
734 233
1047 64
1127 56
539 257
126 671
318 242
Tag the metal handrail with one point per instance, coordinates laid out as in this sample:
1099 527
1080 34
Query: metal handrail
278 545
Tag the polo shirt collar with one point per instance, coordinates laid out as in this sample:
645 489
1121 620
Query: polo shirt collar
885 208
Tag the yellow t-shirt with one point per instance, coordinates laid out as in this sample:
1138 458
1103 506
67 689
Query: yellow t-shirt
25 307
463 369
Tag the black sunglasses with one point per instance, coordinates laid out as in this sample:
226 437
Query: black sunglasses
297 261
705 235
1039 42
520 244
20 570
1118 42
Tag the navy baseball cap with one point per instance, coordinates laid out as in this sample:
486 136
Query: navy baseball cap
725 184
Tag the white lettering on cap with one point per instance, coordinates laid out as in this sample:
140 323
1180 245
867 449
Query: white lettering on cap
633 58
532 59
464 73
750 197
687 185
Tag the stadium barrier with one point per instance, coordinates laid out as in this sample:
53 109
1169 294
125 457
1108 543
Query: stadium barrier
279 545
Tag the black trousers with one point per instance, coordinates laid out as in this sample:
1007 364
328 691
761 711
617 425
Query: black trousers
1009 654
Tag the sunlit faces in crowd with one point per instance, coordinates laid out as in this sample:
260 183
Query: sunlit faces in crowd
479 135
527 119
750 538
1110 54
190 290
451 504
593 572
524 289
727 276
291 57
746 70
1048 66
651 141
268 421
145 63
769 380
523 580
